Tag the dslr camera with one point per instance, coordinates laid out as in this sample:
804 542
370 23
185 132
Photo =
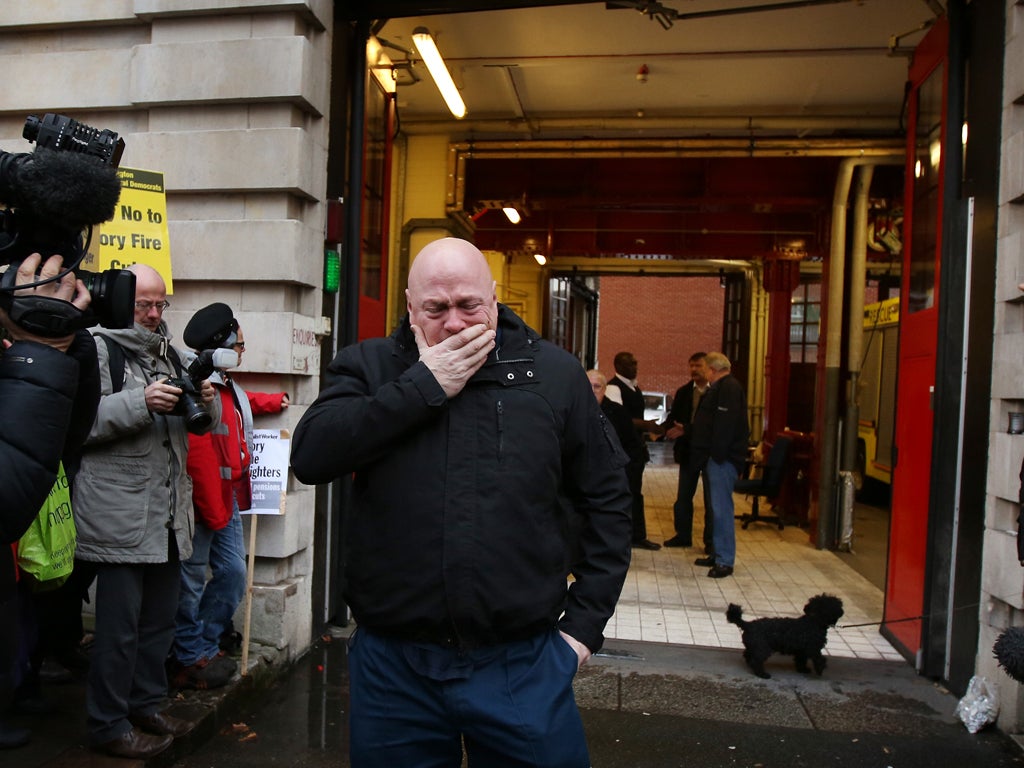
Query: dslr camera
51 200
190 403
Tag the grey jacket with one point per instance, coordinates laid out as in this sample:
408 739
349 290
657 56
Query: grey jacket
132 486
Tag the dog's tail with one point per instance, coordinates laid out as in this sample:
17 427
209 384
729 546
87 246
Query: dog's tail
734 615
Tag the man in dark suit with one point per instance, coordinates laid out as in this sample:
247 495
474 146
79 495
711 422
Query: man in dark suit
624 390
680 416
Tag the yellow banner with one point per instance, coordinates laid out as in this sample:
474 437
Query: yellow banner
138 232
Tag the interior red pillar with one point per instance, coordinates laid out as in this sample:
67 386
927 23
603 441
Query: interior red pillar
781 277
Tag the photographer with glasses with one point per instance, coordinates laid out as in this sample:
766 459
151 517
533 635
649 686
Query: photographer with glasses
133 508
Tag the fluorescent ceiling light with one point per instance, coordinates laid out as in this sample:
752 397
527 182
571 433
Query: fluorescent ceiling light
435 65
512 214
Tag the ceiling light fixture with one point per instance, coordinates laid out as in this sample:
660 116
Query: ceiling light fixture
435 65
512 214
540 258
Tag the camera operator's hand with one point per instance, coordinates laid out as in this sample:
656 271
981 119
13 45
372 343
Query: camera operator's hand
161 397
207 392
68 288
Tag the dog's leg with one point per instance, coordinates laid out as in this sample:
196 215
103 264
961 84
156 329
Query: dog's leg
757 664
819 663
756 654
801 662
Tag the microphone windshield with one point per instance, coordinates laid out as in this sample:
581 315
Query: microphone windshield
67 190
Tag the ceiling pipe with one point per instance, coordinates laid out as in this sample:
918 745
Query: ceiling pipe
741 124
829 432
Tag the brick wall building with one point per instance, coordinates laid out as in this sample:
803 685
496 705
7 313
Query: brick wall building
662 321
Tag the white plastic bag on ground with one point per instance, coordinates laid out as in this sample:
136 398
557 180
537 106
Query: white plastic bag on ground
980 705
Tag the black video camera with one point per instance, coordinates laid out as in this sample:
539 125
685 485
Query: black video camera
53 197
58 132
190 403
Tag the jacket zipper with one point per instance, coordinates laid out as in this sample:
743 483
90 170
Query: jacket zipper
501 426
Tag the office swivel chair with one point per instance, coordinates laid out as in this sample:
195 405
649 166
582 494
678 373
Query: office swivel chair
768 484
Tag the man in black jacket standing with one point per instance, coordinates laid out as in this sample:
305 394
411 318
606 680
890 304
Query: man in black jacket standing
471 440
719 449
680 417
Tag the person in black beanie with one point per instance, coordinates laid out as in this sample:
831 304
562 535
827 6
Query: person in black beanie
218 464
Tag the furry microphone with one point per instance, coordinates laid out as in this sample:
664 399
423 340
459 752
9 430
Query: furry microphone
63 190
52 199
1009 652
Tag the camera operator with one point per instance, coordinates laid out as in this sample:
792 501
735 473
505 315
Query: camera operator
49 388
133 508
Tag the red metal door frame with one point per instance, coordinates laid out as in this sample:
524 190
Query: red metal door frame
908 535
376 219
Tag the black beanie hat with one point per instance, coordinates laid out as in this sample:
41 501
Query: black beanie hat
211 327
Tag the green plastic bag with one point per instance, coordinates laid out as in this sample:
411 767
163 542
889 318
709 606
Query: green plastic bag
47 550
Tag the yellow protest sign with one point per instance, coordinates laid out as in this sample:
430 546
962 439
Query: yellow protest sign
138 231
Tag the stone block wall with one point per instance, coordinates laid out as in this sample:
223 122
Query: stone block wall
1002 597
228 99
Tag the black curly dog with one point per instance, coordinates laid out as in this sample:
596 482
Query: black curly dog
803 637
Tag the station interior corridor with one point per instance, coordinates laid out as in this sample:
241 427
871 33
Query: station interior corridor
668 599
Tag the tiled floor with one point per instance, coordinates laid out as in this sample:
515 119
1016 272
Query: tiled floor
668 599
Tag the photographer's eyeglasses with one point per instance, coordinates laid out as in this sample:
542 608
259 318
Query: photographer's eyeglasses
145 306
239 345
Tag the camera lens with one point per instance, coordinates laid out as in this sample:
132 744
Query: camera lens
31 129
113 296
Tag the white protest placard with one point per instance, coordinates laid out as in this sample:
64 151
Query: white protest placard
268 471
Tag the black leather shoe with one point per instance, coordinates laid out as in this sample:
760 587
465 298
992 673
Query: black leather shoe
677 541
162 723
720 571
646 544
705 561
136 745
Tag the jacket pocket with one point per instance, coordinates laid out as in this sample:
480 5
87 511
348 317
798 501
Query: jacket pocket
111 511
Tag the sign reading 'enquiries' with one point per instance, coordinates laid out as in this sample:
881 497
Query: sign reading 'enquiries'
269 471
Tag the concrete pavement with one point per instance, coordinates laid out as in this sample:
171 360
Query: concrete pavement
644 704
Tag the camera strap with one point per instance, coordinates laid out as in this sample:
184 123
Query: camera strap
44 316
117 360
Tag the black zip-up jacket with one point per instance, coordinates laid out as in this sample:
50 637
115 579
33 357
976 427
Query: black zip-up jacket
49 401
720 429
460 532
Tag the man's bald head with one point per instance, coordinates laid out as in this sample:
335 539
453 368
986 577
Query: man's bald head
150 294
450 288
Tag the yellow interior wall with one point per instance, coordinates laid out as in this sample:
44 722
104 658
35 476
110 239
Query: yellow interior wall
420 185
526 293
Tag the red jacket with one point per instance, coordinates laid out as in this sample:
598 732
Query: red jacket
218 463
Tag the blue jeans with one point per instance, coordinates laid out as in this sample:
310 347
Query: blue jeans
722 479
205 609
418 704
